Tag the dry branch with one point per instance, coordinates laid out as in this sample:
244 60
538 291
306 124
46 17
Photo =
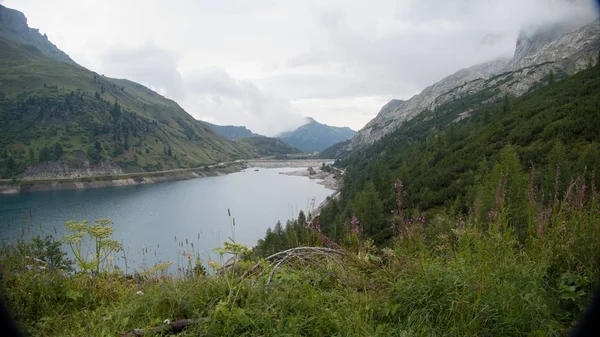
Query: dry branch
172 328
305 255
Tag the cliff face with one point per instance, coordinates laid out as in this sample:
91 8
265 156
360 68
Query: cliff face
14 25
62 169
548 49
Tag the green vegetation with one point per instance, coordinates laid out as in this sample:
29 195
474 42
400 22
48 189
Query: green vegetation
448 166
441 277
52 110
267 146
231 131
484 226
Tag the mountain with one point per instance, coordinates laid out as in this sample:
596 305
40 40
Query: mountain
52 109
541 143
231 131
314 136
550 50
13 25
267 146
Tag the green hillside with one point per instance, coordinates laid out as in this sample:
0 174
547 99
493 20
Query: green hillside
267 146
231 131
448 165
55 110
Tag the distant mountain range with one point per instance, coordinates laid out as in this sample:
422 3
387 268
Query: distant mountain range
231 131
315 137
54 110
267 146
310 137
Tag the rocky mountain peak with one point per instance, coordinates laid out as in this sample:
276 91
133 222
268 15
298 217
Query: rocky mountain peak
532 39
13 24
559 48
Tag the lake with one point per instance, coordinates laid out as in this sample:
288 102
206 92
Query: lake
158 222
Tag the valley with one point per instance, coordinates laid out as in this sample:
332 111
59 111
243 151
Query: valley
468 205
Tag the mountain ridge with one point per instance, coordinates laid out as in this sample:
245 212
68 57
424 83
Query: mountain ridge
315 137
558 52
54 109
14 24
232 132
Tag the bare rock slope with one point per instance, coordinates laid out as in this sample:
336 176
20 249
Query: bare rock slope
550 49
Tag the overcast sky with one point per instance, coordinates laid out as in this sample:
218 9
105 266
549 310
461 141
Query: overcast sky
267 64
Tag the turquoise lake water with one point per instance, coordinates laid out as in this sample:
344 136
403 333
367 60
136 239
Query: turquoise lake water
154 221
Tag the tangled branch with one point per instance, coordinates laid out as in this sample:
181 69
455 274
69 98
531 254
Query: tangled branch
303 255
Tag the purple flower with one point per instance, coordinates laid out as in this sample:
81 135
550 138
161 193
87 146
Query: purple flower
28 267
491 215
356 229
354 221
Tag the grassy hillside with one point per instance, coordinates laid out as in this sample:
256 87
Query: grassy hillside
446 164
267 146
231 131
45 102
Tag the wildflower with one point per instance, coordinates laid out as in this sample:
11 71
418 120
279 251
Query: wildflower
139 292
356 229
354 221
28 267
214 264
541 229
491 215
167 321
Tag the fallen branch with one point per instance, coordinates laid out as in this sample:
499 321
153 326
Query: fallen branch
171 328
305 255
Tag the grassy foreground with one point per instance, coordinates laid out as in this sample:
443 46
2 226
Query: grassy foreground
450 277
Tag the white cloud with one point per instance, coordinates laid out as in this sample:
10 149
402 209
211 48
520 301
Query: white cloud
148 64
265 63
216 96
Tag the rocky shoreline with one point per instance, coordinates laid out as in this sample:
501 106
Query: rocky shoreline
330 180
81 183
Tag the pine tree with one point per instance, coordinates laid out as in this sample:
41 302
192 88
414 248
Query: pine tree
58 151
369 211
11 166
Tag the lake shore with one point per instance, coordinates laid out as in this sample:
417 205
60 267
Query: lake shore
138 178
129 179
331 180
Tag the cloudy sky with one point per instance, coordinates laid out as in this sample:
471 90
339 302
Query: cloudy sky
267 64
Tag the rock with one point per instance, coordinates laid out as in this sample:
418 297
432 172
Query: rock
14 24
538 53
62 169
